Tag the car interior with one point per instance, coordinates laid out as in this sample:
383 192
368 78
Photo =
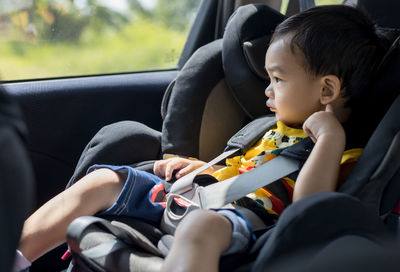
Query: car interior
220 73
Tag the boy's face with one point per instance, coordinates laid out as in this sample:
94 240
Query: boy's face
293 94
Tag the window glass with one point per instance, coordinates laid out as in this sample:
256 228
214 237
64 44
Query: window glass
328 2
56 38
285 3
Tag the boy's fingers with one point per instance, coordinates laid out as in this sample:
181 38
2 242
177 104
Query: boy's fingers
168 172
173 165
162 168
156 169
184 171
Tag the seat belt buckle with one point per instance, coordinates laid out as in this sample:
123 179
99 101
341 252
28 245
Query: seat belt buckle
177 207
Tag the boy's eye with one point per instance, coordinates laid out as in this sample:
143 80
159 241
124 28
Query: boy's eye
277 79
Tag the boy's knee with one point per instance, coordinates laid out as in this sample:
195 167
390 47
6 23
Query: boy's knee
203 225
103 176
105 185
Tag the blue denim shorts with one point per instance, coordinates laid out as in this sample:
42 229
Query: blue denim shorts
135 198
242 232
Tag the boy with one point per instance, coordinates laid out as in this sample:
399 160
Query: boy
318 62
309 89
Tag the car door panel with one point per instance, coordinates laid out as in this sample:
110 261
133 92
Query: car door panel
62 115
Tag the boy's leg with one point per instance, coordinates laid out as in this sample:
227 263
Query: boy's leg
46 228
199 241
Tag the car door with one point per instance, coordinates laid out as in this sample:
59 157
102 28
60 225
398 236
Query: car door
65 105
64 112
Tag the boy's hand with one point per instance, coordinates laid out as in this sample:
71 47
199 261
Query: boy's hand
165 168
324 124
320 173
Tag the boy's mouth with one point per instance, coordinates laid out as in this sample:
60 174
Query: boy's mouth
270 106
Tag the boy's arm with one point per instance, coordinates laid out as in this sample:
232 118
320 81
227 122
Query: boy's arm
320 173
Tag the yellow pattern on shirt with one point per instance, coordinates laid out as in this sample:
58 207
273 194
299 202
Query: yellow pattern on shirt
267 148
276 138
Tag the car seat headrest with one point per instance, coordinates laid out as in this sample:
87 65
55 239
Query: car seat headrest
387 81
392 38
383 88
254 52
384 13
184 104
245 43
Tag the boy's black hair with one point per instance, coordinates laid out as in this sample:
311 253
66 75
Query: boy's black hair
339 40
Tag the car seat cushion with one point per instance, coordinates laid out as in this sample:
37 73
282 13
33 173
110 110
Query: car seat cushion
182 123
245 43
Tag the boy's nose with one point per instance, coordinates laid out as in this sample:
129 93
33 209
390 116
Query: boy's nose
269 92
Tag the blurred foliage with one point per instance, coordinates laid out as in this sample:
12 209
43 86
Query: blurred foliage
328 2
131 49
175 14
170 12
51 38
285 3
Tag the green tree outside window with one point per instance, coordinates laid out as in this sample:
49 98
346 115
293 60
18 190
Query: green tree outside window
57 38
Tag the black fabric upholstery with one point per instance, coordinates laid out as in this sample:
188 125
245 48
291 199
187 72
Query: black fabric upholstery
373 156
181 126
314 222
383 88
384 13
348 253
384 91
16 182
121 143
254 51
386 84
249 25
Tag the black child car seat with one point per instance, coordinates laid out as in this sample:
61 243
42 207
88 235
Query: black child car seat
249 52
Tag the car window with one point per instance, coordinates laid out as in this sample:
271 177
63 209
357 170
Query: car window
58 38
285 3
328 2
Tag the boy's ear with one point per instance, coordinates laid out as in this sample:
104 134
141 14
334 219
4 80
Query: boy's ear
330 89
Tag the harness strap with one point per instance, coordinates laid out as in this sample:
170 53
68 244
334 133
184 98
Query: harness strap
221 193
185 183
